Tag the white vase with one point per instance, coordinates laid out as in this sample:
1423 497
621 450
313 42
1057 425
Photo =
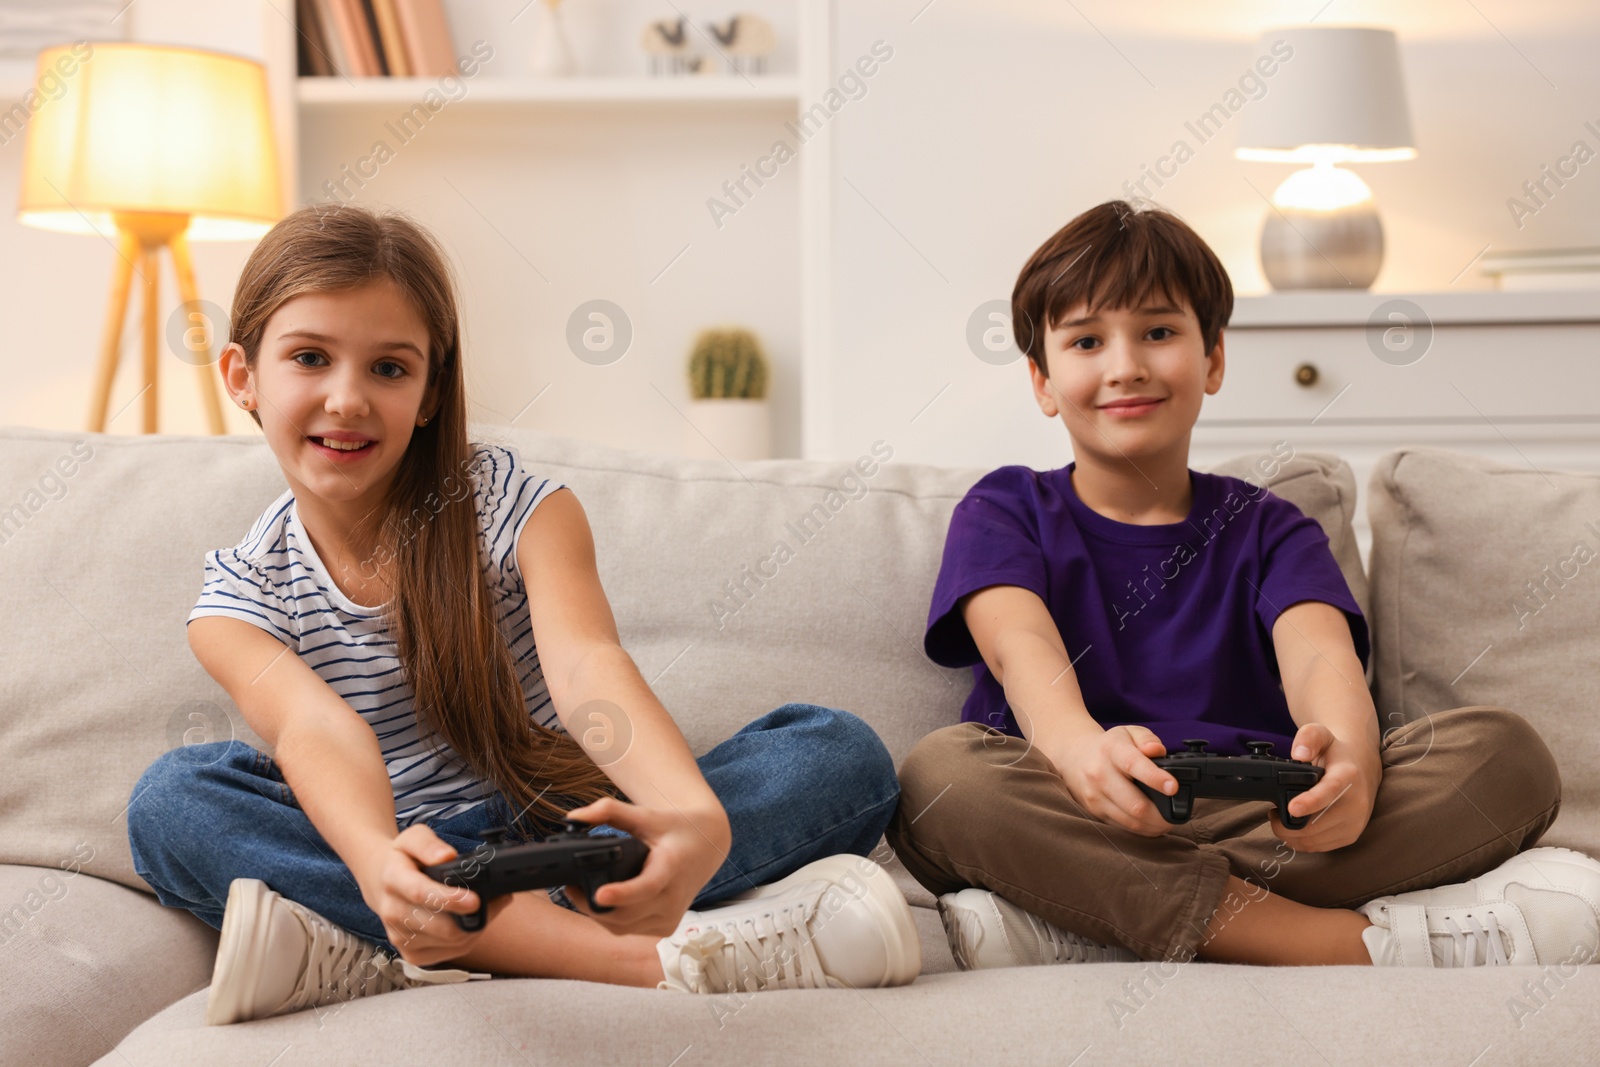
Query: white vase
735 428
552 52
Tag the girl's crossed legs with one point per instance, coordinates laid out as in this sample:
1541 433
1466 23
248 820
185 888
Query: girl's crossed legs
800 783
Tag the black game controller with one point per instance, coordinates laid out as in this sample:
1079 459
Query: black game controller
571 857
1258 776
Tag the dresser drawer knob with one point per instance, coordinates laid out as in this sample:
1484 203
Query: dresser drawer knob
1306 374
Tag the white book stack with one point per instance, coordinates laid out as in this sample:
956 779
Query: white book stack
1557 268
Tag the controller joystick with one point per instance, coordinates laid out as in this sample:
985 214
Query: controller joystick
1259 748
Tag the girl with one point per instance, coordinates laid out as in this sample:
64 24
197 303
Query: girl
409 571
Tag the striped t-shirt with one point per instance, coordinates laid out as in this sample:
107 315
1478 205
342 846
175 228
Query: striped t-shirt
274 579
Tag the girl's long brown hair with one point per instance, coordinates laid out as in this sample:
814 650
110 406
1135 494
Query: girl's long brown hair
441 616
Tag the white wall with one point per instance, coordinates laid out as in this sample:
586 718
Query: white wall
545 208
541 207
993 124
54 287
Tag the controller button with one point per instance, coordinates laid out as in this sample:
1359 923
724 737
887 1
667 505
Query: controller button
1297 778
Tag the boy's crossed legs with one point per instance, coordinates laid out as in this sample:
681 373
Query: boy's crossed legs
1462 792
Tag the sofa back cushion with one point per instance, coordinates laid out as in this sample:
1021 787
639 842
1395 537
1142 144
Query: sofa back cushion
735 591
1486 590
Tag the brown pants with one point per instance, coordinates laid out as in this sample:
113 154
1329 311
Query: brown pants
1462 792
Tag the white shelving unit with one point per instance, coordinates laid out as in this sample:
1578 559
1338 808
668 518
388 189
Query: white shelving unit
339 92
1514 376
298 100
1332 308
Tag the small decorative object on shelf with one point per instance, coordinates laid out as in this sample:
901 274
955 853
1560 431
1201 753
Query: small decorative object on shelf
729 413
747 40
552 52
666 42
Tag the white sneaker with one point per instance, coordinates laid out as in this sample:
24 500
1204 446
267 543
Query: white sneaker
838 922
277 956
987 930
1539 907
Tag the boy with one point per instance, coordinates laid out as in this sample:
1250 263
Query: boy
1116 607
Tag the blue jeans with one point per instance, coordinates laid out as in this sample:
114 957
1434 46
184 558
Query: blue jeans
799 783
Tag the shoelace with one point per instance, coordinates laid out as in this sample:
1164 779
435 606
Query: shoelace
338 969
1066 947
1478 940
771 950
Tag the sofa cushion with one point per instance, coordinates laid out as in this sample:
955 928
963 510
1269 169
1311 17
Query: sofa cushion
101 566
1486 590
1324 487
1105 1013
83 961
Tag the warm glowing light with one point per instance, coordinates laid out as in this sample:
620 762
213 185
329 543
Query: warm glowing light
153 129
1323 187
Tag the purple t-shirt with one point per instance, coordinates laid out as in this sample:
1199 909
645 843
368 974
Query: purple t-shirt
1169 627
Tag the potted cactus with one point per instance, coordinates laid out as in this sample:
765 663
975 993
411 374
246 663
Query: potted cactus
728 390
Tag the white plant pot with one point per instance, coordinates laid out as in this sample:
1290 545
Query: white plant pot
735 428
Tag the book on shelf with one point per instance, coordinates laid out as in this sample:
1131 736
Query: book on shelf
310 44
369 25
390 37
351 25
429 50
373 38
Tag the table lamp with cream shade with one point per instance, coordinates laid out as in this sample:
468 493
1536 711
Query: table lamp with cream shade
1338 98
153 146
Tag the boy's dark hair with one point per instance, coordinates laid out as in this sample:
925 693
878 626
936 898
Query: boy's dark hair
1118 255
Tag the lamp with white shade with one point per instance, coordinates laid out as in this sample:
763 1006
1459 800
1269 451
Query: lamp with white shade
1339 99
152 146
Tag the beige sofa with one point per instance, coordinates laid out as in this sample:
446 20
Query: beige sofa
101 540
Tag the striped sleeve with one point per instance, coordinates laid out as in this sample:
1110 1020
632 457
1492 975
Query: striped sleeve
507 493
236 589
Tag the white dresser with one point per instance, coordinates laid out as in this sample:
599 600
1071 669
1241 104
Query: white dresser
1510 375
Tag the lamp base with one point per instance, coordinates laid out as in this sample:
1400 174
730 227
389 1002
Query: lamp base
142 236
1306 249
